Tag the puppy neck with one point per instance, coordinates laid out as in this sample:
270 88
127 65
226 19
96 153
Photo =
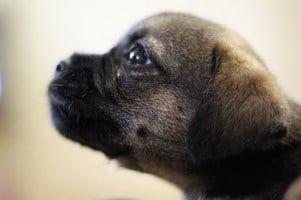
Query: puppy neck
251 175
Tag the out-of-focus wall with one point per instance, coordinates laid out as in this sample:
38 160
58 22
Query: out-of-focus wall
43 165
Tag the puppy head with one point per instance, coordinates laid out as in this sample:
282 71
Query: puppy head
175 90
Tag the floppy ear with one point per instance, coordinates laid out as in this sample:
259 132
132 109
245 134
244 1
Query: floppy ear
242 108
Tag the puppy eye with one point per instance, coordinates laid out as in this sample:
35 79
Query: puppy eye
137 55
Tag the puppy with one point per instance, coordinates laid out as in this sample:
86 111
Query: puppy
186 100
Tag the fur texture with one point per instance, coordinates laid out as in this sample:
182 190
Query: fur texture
187 100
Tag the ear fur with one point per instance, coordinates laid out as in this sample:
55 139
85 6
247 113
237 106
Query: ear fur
242 108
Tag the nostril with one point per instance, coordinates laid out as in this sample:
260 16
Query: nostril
60 67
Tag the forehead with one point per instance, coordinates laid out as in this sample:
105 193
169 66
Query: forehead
175 40
174 25
170 21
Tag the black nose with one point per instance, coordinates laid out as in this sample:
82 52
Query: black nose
60 68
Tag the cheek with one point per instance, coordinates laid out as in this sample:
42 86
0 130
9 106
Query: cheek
160 123
164 113
156 134
173 112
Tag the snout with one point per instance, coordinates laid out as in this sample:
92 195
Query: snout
75 61
73 80
83 77
79 106
60 68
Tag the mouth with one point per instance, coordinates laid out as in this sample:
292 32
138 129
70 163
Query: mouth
77 115
60 94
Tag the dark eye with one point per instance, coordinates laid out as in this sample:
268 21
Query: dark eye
137 55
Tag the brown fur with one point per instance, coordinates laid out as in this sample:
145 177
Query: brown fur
209 117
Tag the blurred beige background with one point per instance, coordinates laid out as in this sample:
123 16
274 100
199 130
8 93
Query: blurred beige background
39 163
